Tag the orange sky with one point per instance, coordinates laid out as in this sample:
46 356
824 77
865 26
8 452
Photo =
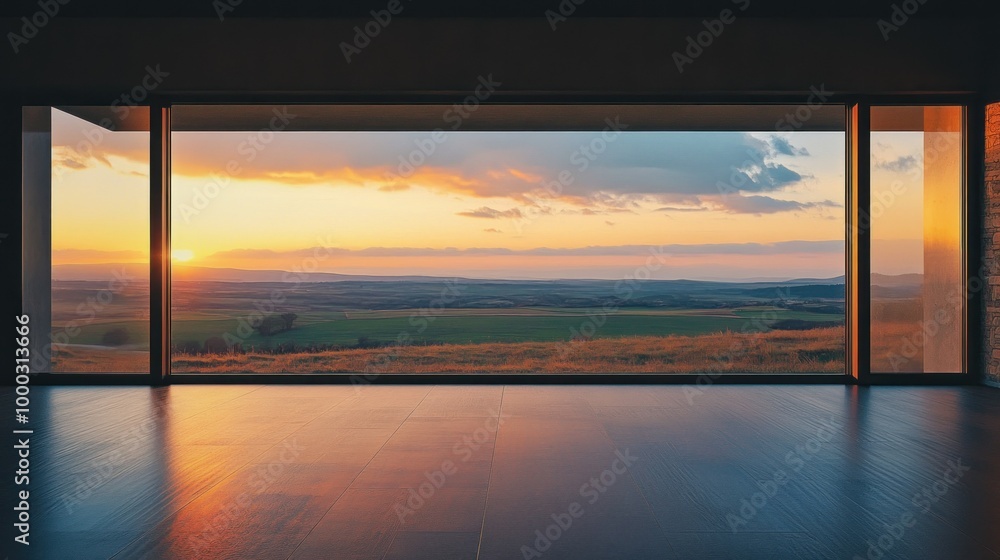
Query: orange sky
479 206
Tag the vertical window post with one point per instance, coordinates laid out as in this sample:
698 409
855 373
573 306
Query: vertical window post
159 239
858 284
36 220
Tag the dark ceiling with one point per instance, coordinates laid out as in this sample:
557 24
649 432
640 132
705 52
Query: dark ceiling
505 8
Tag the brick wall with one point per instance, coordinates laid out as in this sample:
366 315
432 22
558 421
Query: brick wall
991 249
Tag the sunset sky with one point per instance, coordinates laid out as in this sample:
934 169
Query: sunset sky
721 204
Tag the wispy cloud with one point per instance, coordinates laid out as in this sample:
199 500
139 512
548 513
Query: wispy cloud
779 248
682 209
782 146
513 165
760 204
901 164
491 213
683 170
65 256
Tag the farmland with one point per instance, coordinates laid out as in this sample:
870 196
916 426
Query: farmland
443 317
818 350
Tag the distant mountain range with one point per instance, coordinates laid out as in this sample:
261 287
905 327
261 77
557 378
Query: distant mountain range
897 280
99 272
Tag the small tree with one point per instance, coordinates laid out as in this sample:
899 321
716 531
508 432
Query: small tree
115 337
367 342
216 345
272 325
189 347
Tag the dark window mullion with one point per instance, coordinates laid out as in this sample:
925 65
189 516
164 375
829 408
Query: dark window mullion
159 239
859 241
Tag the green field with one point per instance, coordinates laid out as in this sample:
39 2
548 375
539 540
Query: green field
358 314
459 326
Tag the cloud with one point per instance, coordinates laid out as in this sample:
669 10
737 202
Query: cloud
759 204
783 146
608 208
778 248
79 144
777 176
492 214
493 230
73 158
514 165
95 255
682 209
902 164
609 222
69 162
671 168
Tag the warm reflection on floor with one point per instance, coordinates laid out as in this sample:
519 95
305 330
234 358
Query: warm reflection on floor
577 472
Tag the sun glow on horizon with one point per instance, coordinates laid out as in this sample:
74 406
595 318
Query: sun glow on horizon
181 255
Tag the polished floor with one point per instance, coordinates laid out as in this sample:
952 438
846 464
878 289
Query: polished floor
515 472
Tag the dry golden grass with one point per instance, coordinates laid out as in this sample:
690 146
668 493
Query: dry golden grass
811 351
98 360
896 347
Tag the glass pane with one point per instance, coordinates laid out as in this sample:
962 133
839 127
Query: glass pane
99 240
916 239
298 247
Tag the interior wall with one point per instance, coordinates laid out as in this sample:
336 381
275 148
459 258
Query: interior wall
991 245
10 214
110 57
991 50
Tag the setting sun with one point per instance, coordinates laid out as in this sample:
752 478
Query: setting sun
182 255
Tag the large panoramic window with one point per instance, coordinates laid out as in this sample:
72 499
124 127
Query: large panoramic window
917 281
644 240
86 238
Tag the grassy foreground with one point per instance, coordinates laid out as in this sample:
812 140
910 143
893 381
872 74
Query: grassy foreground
74 359
811 351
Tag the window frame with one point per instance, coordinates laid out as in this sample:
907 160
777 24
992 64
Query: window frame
857 302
